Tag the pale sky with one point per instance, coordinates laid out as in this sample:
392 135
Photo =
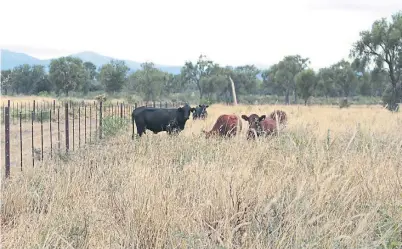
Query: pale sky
172 31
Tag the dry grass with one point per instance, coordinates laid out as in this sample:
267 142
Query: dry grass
299 190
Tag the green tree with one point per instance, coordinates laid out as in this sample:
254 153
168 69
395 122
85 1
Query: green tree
268 80
114 75
379 81
6 81
173 83
21 79
364 84
149 81
91 69
92 74
28 79
344 77
214 86
326 82
282 75
39 80
245 79
193 73
383 45
306 82
67 74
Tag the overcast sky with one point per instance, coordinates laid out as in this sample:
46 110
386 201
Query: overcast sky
169 32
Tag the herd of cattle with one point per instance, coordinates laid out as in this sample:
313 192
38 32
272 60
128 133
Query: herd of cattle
173 120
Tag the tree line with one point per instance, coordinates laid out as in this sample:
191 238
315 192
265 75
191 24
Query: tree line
374 71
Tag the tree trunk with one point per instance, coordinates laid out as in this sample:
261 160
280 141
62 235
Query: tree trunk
287 97
393 105
200 90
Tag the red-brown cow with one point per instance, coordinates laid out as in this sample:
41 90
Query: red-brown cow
260 126
225 125
282 117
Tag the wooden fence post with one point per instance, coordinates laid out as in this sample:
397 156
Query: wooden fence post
7 139
32 138
50 133
33 110
21 138
66 125
121 110
85 124
100 119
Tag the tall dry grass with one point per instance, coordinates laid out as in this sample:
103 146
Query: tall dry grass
302 189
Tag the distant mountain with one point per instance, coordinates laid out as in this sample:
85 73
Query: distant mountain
10 59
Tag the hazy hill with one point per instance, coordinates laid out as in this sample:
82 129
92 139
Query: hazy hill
10 59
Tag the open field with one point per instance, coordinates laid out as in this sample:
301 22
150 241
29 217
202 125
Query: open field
306 188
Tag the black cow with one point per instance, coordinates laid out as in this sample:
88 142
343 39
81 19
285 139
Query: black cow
160 119
200 112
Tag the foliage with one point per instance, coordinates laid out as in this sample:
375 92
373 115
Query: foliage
5 81
194 73
306 82
67 73
344 77
282 75
113 125
149 81
113 75
383 46
374 72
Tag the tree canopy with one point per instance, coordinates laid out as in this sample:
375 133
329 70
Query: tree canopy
382 45
374 71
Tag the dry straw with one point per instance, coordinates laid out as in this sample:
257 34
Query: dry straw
302 189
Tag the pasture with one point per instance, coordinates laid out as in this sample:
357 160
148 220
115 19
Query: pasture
331 179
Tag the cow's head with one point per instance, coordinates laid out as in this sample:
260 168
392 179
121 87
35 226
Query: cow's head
185 112
254 126
203 110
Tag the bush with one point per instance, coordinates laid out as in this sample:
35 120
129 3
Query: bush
344 103
113 125
390 101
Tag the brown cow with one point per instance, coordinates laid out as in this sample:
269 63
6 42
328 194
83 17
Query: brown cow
226 126
282 117
260 126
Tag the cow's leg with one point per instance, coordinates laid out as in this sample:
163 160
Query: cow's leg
169 130
140 130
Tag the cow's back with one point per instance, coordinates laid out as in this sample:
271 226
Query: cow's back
227 125
281 115
268 124
156 116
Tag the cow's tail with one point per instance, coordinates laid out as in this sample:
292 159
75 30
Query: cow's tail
132 121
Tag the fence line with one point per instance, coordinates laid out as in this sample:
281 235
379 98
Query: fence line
7 138
17 107
90 118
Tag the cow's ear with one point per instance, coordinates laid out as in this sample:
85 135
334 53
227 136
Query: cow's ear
261 118
192 109
244 117
200 105
206 106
